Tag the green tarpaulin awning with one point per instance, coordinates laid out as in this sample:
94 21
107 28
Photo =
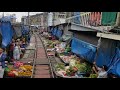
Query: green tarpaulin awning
109 18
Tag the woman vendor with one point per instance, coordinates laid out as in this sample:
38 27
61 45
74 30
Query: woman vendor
101 72
12 45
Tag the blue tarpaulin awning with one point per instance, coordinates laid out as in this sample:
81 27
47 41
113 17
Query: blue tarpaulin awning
116 68
7 33
58 33
83 49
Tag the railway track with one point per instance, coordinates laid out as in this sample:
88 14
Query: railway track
51 58
41 64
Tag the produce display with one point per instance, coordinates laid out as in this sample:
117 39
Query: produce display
59 66
68 49
50 43
60 48
73 66
12 73
67 58
21 71
18 64
83 68
73 70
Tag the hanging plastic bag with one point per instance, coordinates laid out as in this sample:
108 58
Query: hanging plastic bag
16 53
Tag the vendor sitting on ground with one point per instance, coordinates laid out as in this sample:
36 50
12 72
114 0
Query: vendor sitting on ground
101 72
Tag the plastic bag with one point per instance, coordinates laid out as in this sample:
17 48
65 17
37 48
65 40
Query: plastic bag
63 45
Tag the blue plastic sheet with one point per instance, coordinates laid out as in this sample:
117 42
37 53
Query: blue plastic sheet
54 31
116 68
106 53
83 49
58 33
7 33
103 58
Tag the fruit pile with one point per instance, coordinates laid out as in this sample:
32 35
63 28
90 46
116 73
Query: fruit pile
25 70
26 67
24 73
21 71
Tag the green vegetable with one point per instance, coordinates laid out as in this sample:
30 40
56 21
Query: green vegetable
59 66
88 68
68 49
70 71
83 67
7 69
93 76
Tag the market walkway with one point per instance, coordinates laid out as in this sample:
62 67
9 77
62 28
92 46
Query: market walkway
42 69
29 52
35 53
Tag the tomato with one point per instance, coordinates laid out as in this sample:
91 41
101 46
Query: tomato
11 74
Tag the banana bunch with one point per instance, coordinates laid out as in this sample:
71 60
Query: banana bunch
24 73
26 67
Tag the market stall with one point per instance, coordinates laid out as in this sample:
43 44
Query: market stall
74 70
71 50
18 70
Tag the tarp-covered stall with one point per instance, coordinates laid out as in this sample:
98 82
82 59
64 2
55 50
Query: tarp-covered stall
59 33
83 49
106 52
115 63
7 33
54 31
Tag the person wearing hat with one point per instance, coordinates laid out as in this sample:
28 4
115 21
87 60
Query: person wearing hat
2 58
